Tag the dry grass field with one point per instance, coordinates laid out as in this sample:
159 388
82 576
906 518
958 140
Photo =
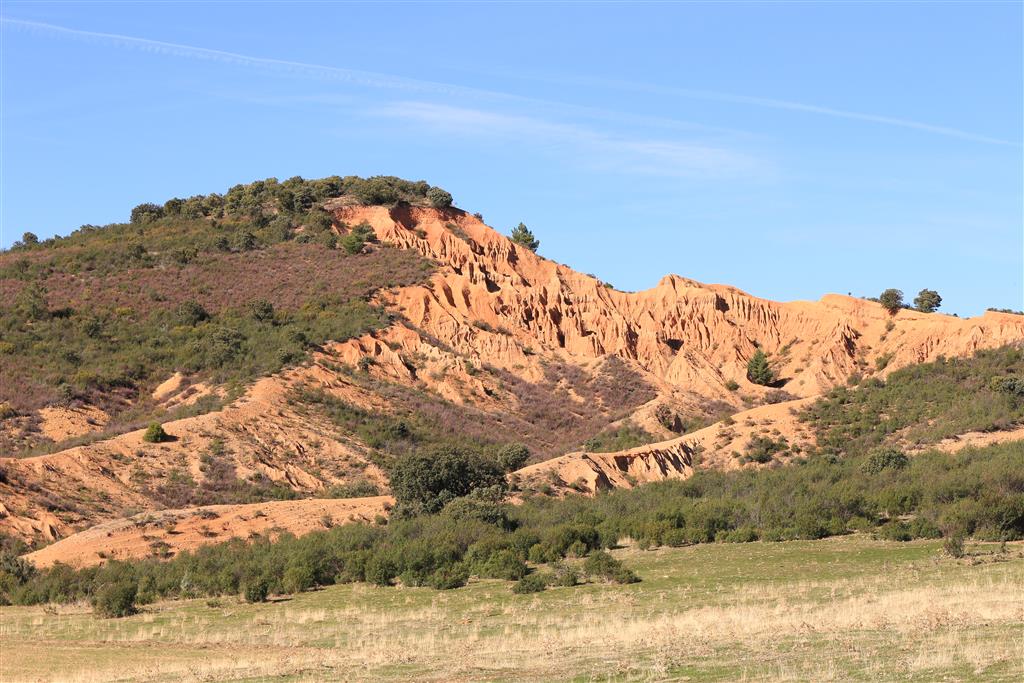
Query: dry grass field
844 609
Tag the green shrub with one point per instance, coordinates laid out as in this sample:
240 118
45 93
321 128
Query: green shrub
297 577
191 313
357 238
503 564
625 436
531 583
885 458
733 385
563 575
449 576
155 433
361 488
438 198
762 449
261 310
954 546
256 590
512 456
602 565
115 599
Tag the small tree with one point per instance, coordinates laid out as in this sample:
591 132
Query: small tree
426 482
891 300
154 433
758 370
927 301
522 236
30 239
438 198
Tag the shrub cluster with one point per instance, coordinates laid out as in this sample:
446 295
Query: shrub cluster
977 492
923 403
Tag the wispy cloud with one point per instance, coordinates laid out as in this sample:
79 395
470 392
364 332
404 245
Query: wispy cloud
713 96
829 111
587 146
382 80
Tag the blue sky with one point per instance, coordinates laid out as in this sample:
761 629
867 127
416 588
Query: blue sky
789 149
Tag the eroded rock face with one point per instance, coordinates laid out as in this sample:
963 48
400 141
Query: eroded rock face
491 299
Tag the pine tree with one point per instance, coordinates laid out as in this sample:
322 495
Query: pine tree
522 236
758 370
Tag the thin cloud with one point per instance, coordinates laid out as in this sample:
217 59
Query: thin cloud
590 147
381 80
713 96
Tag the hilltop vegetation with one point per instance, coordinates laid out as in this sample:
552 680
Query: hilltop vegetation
223 287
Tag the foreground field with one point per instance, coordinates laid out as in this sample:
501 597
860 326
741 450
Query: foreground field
840 609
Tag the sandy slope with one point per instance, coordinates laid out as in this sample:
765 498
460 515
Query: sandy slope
165 533
712 447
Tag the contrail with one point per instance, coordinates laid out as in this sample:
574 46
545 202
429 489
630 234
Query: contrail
794 106
381 80
365 78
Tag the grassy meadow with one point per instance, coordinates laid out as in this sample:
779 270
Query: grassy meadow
843 609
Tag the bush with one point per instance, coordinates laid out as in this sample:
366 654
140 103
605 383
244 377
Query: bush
261 310
361 488
562 575
891 300
512 456
155 433
191 313
115 600
256 590
146 213
531 583
733 385
954 546
886 458
438 198
758 370
503 564
450 576
357 238
602 565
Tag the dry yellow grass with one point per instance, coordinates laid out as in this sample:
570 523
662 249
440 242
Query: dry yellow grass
836 610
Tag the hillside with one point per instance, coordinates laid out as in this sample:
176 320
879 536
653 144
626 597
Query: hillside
296 338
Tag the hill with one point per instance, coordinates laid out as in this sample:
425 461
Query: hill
298 338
